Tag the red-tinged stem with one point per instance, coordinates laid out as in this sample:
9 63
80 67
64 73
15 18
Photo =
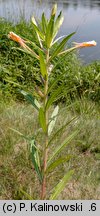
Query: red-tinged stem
43 189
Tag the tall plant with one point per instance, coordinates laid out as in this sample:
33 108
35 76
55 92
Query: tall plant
46 51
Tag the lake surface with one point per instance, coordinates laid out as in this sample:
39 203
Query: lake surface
82 16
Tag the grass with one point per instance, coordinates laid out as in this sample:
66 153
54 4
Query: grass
17 173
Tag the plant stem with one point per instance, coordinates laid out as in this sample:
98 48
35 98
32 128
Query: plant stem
43 190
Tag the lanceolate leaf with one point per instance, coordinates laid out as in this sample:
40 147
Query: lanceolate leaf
35 158
61 46
18 132
60 130
57 162
49 32
34 153
56 94
53 120
67 51
44 23
43 65
57 39
61 185
31 99
63 144
25 137
55 81
41 35
50 27
58 23
42 120
38 32
34 21
30 52
34 45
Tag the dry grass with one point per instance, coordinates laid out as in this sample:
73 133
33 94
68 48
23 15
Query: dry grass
17 173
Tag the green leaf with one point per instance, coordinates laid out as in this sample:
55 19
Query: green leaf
35 158
27 51
54 96
57 39
33 20
34 45
55 81
53 120
18 132
38 32
58 23
44 23
60 130
25 137
57 162
61 46
67 51
31 99
49 32
43 65
34 153
42 120
63 144
61 185
37 29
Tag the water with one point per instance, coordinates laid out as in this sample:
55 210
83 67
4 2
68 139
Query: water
82 16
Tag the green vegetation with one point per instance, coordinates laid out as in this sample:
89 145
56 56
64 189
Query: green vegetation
17 68
17 171
79 99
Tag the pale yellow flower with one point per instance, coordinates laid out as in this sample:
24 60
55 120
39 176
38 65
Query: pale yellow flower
85 44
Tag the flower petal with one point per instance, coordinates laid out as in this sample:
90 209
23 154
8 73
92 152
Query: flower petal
16 38
85 44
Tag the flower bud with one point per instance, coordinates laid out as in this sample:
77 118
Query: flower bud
54 10
85 44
